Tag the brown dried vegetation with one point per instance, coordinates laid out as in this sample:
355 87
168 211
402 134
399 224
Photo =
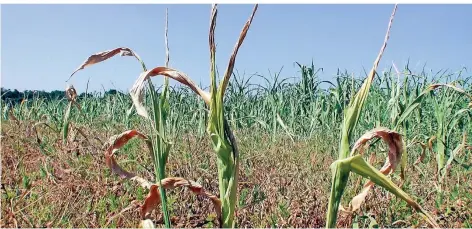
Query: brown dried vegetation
71 186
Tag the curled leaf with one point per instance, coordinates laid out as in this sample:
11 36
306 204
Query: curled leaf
137 91
392 138
102 56
153 199
417 101
285 127
396 150
118 141
71 95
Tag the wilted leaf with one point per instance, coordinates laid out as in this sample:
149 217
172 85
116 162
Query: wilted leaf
71 95
423 153
137 91
118 141
101 56
32 128
232 60
134 204
393 140
395 153
153 199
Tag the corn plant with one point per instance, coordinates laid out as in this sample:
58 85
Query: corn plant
160 145
71 95
403 105
349 162
444 105
221 136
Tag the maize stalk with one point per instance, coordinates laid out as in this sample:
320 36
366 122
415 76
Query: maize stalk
221 136
346 164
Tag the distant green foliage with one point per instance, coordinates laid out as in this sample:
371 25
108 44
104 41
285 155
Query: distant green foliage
307 105
14 96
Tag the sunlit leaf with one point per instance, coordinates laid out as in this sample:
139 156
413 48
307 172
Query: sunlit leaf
137 91
102 56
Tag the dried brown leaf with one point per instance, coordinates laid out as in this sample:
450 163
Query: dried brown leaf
396 149
430 143
232 60
71 95
137 91
117 142
392 138
102 56
153 199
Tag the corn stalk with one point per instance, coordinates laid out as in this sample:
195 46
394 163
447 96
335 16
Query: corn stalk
222 138
157 122
346 164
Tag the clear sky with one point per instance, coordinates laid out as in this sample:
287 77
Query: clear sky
41 45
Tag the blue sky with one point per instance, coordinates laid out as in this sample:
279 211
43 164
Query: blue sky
41 45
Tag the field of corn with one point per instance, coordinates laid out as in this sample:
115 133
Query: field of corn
390 149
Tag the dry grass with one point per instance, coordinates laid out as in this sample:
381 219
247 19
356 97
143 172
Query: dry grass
282 184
